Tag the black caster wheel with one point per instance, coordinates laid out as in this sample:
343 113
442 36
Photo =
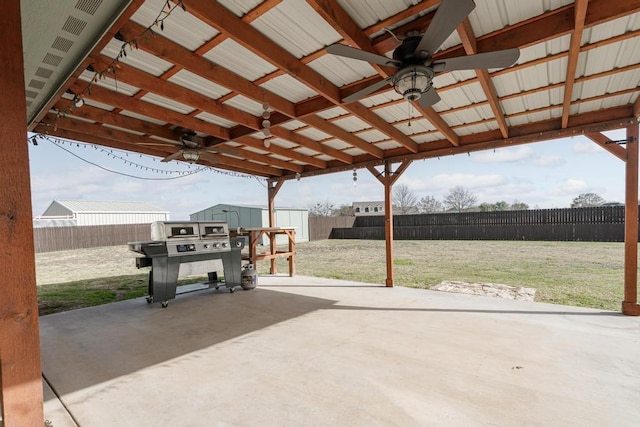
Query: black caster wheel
164 304
231 290
149 300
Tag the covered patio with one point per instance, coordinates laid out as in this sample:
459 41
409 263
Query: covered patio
250 86
308 351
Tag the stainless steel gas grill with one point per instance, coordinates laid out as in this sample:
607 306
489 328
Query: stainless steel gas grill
185 248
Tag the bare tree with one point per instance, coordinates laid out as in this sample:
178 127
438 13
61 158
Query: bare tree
321 209
404 198
459 198
429 204
586 200
343 210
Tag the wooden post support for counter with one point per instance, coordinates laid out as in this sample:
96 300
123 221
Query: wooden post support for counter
255 234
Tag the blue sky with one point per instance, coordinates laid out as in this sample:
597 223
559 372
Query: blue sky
543 175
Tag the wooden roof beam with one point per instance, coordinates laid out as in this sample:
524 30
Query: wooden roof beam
580 12
132 104
345 136
160 86
311 144
465 31
180 56
281 151
604 142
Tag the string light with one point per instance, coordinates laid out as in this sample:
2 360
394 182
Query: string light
355 177
118 155
266 124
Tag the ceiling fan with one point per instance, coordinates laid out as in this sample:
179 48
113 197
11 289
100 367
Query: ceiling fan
414 57
193 148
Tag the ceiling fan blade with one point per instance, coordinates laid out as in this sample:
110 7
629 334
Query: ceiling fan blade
209 157
449 15
172 156
497 59
367 90
353 53
429 98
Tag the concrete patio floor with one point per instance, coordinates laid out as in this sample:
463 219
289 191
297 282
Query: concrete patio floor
304 351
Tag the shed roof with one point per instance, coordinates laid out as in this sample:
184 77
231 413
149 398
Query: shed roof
98 206
211 66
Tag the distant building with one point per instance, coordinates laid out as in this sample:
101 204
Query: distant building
249 216
368 208
63 213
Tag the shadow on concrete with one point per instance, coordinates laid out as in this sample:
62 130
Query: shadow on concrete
89 346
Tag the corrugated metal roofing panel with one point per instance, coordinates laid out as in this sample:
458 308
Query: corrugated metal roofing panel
198 84
381 98
138 58
167 103
428 137
460 96
296 27
352 124
341 71
332 113
235 57
324 158
445 79
111 84
372 135
240 7
289 88
216 120
109 206
469 115
533 101
243 103
415 126
547 48
493 15
282 143
306 151
396 112
525 119
293 125
600 104
601 59
100 105
315 134
354 151
368 12
477 128
141 117
531 77
336 143
607 84
182 28
611 28
388 145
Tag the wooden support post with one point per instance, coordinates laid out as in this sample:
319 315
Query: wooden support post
630 304
388 178
273 186
20 366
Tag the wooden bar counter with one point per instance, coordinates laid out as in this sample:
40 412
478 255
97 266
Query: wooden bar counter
255 234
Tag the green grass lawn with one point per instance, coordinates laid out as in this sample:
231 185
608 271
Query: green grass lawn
585 274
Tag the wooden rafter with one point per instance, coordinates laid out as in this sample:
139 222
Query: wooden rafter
604 142
465 31
580 12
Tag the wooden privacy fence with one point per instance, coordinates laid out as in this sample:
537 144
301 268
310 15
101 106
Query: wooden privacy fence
49 239
599 224
320 227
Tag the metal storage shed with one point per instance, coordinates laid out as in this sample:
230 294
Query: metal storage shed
249 216
94 212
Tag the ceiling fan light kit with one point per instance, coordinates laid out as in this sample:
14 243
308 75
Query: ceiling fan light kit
191 155
412 82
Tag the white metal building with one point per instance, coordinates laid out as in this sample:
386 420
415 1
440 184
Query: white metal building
248 216
94 212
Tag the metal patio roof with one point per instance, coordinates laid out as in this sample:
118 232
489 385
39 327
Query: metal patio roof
213 65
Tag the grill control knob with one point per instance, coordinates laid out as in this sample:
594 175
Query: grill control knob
224 244
216 245
206 246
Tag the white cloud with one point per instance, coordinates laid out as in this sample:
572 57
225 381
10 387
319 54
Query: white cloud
583 146
503 155
549 161
445 182
574 185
